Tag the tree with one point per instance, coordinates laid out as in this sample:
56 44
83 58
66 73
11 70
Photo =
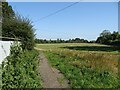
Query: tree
7 18
7 11
115 36
105 33
115 39
17 26
106 37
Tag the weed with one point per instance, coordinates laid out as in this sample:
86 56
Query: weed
20 69
86 68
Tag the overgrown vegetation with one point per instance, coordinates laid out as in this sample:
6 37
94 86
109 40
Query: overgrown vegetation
19 70
82 76
16 26
84 69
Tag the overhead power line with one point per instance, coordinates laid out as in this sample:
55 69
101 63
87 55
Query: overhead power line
51 14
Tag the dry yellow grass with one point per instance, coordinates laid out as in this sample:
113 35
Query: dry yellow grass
103 60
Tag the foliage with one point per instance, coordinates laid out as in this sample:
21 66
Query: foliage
7 11
76 40
16 26
106 37
19 70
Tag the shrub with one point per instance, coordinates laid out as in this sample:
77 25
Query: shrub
20 28
16 26
20 69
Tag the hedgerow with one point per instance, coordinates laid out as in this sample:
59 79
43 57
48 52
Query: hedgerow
19 70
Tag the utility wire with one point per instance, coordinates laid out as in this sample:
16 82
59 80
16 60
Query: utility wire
51 14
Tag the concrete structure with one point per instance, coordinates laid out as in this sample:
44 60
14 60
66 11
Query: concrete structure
4 49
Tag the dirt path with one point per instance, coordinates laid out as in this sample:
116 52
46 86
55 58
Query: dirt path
51 77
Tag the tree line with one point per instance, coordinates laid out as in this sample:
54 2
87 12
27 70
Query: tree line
76 40
106 37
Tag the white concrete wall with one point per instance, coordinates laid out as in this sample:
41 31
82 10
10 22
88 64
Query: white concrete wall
4 49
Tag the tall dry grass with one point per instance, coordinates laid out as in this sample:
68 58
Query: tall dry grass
94 59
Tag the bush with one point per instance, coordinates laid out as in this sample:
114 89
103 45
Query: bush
20 28
16 26
20 69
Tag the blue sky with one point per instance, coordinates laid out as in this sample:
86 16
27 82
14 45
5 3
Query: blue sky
83 20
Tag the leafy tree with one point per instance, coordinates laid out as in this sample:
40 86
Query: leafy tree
7 17
106 37
115 39
105 33
16 26
115 36
7 11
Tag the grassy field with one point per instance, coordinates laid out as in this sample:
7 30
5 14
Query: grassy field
84 65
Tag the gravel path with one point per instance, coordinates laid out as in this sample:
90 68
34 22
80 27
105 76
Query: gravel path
51 77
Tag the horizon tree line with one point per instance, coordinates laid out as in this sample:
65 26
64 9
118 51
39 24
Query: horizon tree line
106 37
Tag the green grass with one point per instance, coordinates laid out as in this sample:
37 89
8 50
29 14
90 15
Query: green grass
82 76
84 67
